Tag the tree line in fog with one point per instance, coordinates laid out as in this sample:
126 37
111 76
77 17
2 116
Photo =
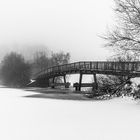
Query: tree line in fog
16 71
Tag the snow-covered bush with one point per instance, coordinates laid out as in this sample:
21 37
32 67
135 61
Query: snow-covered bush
108 83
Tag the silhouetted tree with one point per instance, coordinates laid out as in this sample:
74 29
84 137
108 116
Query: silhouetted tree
41 61
14 70
60 58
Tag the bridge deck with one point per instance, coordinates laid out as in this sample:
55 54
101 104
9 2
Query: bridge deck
102 67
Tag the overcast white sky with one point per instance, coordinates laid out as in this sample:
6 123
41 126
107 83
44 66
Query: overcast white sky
68 25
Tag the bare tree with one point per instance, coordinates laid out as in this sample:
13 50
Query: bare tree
126 34
41 61
60 58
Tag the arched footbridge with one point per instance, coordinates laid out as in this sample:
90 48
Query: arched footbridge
130 69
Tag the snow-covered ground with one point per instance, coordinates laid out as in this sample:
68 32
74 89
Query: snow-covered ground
23 118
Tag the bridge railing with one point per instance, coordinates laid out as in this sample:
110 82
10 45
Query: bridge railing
116 66
94 65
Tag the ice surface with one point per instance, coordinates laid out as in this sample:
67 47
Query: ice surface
23 118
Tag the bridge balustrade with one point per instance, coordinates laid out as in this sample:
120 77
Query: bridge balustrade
100 66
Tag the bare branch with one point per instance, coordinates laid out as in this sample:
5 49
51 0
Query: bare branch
126 35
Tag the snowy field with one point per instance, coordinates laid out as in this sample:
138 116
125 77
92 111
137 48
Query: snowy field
23 118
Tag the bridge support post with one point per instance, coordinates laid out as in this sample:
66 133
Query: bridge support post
95 81
53 80
65 80
80 81
67 84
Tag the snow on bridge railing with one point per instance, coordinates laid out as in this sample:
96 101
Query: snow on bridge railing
94 65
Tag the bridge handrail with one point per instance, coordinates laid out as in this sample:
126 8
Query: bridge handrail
96 65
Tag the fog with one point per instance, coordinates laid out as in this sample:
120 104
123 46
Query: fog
59 25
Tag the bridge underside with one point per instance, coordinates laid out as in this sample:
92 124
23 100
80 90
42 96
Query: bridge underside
117 73
48 79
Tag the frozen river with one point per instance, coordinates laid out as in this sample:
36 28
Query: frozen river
23 118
